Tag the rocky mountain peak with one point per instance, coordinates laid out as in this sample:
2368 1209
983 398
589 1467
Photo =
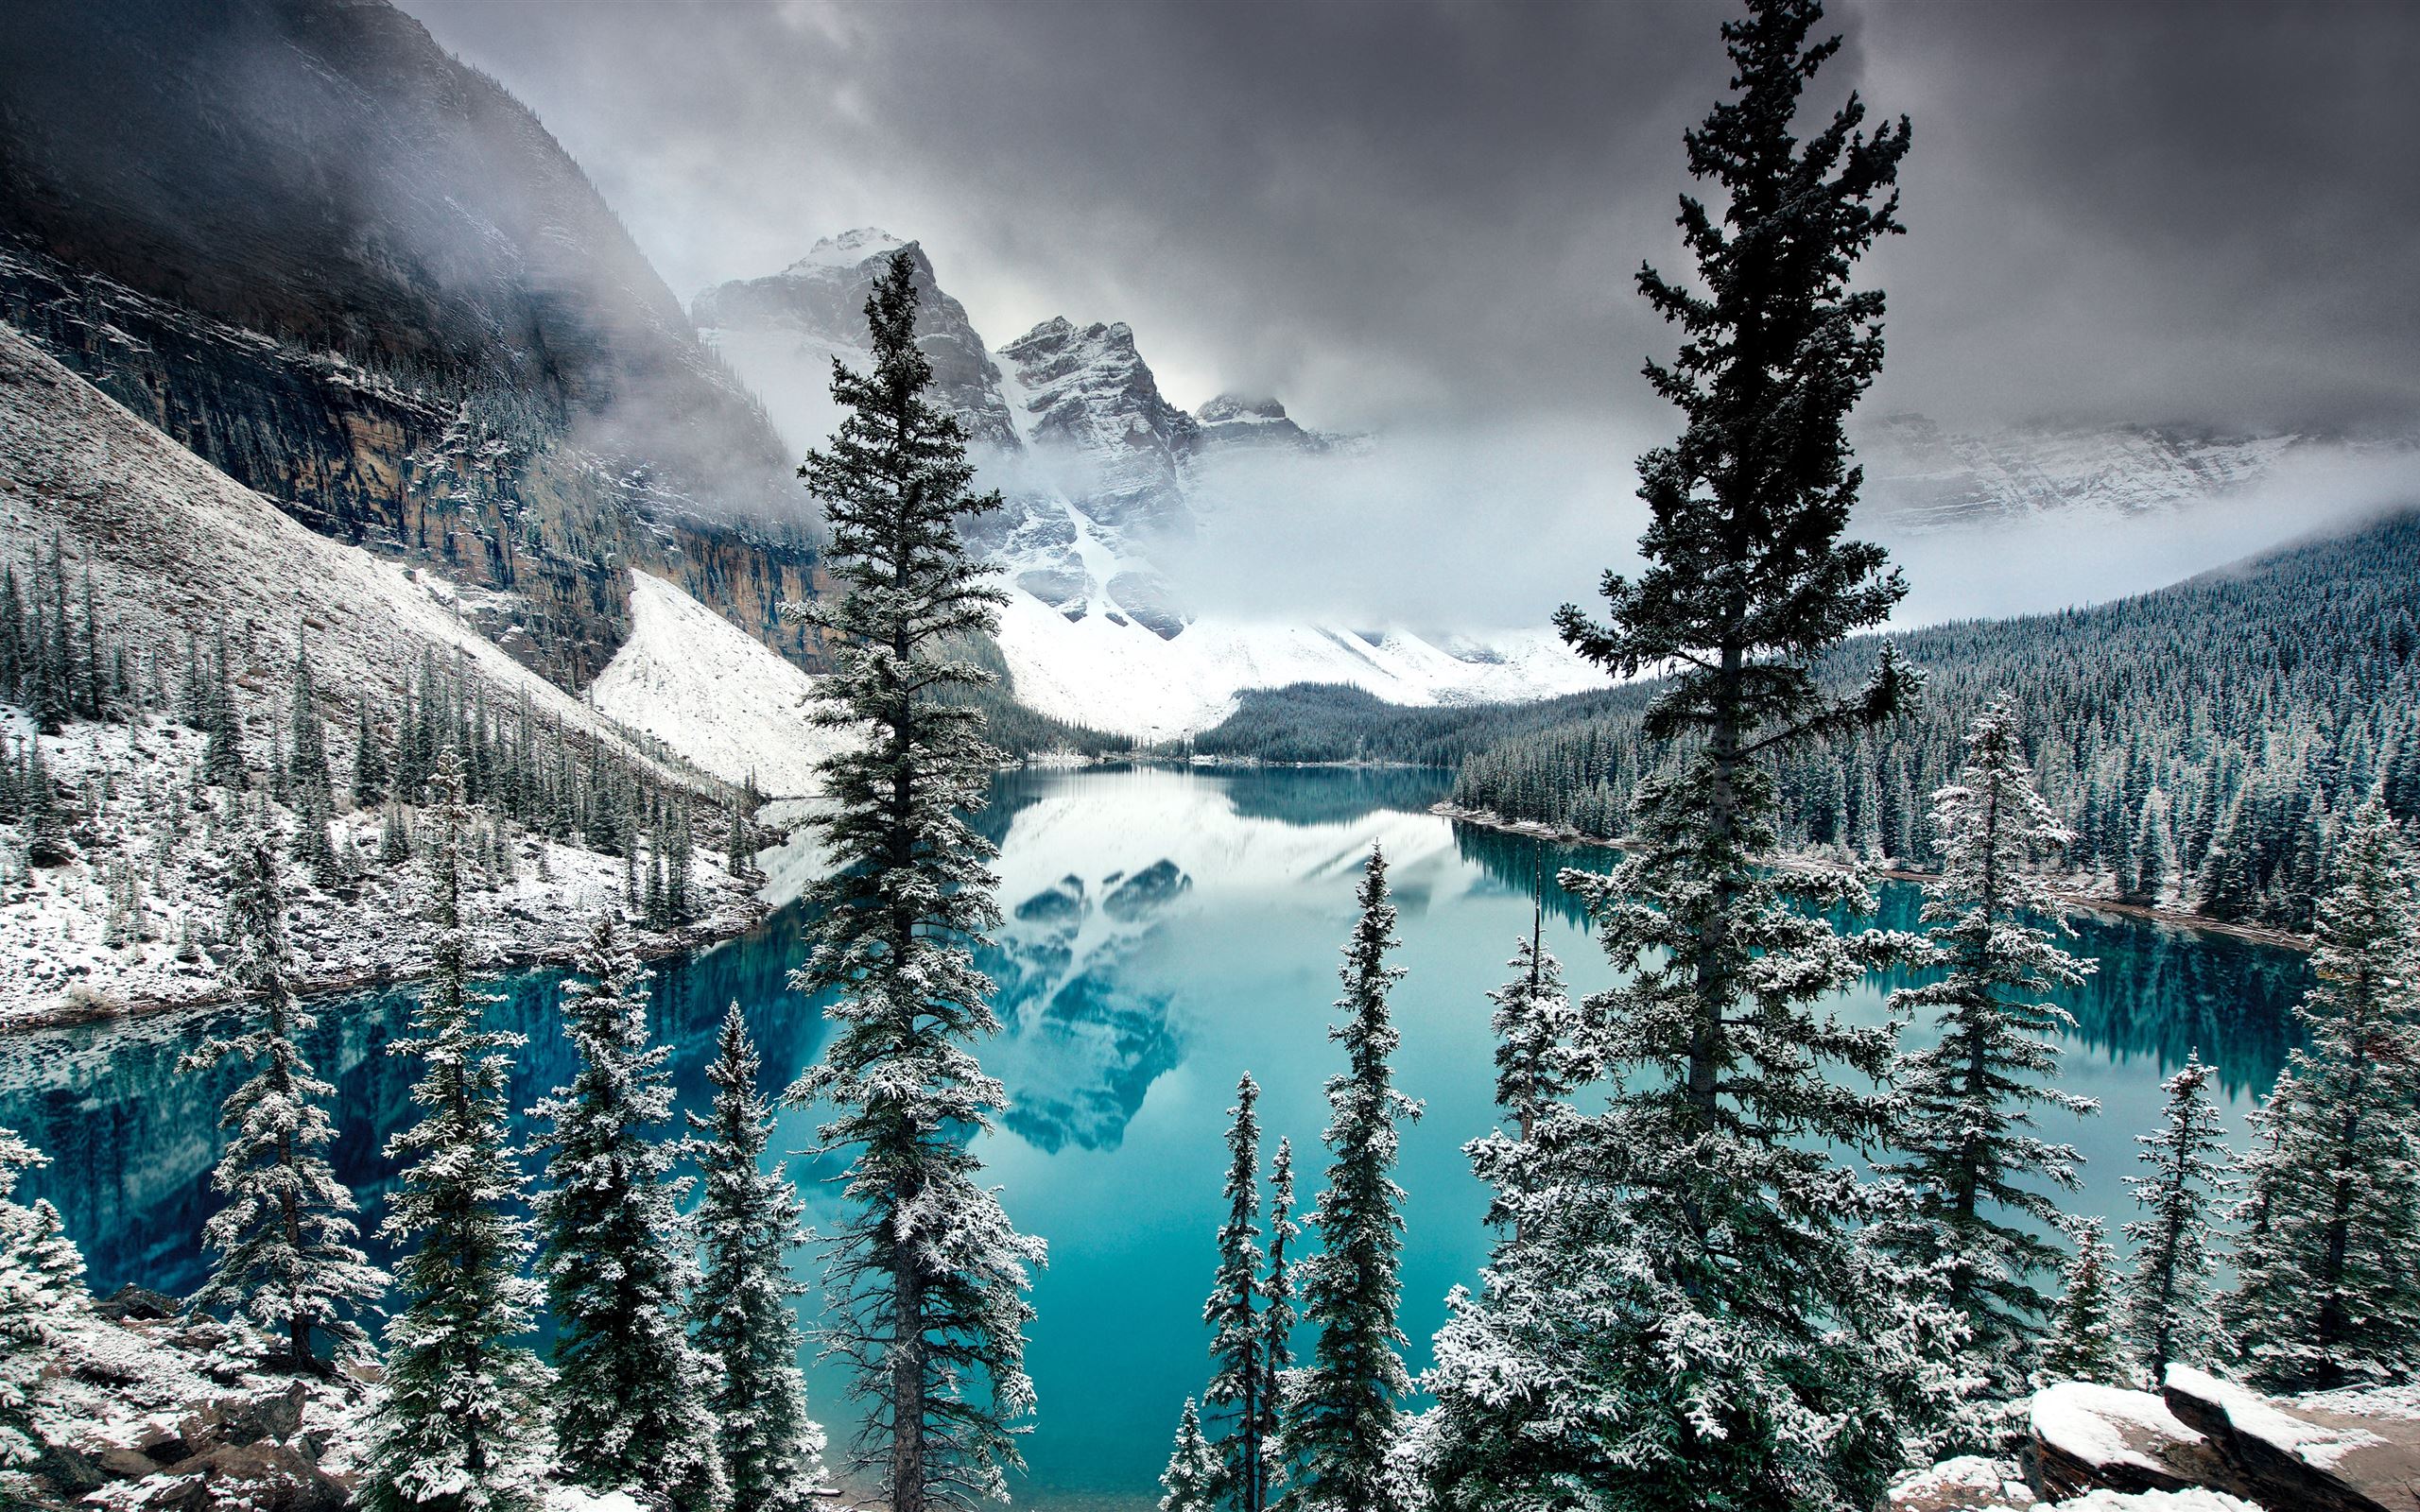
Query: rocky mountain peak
848 250
1089 388
820 300
1233 406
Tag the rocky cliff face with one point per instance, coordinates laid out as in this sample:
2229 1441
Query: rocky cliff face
360 278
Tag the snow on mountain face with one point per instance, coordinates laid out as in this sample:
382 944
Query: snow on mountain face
783 332
1921 478
1088 390
1099 471
712 693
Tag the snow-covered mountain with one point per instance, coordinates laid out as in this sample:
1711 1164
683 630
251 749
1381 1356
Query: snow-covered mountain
1102 474
1922 477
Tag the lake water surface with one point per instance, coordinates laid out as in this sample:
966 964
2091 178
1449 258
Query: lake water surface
1167 930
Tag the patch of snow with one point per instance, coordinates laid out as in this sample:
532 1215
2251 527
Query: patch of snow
577 1499
1978 1474
848 250
717 697
2251 1414
2192 1499
2090 1422
2396 1403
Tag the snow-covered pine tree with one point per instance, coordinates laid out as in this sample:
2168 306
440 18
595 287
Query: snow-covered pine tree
306 760
461 1426
629 1391
1501 1437
748 1222
41 1284
289 1259
2169 1305
926 1278
2083 1343
368 761
1194 1480
1278 1319
223 752
1339 1412
2327 1293
1742 1351
1977 1179
1232 1312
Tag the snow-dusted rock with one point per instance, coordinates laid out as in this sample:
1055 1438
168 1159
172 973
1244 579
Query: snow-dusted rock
1100 471
2088 1437
782 332
2347 1454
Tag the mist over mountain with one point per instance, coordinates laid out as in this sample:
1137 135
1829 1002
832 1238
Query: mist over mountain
358 276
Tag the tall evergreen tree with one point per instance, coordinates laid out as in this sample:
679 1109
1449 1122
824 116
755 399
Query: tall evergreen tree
748 1222
1979 1180
222 751
1510 1357
368 761
306 760
41 1285
2168 1310
1194 1477
1278 1319
926 1277
460 1429
288 1243
1746 1356
2083 1343
629 1391
2327 1290
1232 1312
1341 1410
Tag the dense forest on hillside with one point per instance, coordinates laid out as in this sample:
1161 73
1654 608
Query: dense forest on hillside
1325 722
2207 741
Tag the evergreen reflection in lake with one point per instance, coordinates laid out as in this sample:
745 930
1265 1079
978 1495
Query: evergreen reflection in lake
1164 931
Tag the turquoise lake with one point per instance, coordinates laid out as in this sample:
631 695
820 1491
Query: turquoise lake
1167 930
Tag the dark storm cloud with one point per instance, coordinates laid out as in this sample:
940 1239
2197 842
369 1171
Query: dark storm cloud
2130 209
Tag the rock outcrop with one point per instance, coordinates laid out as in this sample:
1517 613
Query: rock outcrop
2200 1444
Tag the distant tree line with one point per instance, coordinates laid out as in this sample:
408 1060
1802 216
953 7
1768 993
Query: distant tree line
2208 743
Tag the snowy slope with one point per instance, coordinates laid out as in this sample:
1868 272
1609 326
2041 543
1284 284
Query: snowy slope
712 693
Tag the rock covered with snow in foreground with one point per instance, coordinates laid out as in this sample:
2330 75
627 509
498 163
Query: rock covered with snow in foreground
2200 1444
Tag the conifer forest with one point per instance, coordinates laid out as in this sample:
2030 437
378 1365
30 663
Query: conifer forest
1765 857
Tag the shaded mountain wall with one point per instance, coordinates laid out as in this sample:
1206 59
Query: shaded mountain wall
359 277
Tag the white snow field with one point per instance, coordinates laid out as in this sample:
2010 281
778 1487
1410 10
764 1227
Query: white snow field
715 695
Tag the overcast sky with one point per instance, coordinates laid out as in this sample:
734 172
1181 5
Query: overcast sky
1385 210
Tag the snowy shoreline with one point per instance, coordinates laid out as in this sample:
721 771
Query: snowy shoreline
2093 903
647 945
